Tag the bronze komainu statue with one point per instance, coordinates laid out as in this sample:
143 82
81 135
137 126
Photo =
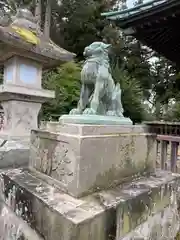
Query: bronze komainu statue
99 94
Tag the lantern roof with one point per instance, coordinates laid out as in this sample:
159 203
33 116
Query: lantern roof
22 37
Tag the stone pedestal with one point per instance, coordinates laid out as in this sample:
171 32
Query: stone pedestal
87 158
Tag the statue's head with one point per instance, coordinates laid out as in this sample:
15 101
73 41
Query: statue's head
96 48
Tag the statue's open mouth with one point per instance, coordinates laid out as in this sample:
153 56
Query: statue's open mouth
87 53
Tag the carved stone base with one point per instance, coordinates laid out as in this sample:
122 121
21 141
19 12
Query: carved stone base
94 120
86 158
21 106
20 117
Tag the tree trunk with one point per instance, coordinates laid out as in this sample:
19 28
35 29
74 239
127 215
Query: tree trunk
38 13
47 23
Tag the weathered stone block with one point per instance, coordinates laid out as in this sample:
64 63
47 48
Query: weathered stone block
12 227
163 225
153 216
57 216
85 158
51 213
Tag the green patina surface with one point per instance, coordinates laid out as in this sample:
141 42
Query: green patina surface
95 120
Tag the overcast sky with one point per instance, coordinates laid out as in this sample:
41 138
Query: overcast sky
130 2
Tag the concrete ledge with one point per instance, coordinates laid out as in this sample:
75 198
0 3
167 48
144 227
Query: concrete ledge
14 92
14 153
115 212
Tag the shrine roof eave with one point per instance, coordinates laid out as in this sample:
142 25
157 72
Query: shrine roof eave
155 26
131 16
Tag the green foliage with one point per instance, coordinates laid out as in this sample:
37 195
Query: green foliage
65 81
12 5
132 95
173 113
131 56
164 80
80 23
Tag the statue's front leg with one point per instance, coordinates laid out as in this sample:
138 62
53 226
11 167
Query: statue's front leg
83 101
94 104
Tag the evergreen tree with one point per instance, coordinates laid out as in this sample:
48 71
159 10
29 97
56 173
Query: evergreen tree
65 81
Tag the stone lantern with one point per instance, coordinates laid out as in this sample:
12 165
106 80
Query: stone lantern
24 54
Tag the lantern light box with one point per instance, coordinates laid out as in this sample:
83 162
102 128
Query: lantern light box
23 72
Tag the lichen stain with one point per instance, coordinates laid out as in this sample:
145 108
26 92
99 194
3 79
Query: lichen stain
114 176
8 229
177 236
27 35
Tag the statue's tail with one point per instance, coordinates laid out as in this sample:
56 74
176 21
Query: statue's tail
117 96
118 89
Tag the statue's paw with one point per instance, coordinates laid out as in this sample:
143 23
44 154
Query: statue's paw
111 113
75 111
120 114
89 111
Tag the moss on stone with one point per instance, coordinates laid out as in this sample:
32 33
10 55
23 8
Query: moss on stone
177 236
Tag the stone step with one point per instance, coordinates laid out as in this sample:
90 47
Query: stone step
114 213
52 213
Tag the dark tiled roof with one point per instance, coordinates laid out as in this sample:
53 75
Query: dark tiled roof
140 9
155 24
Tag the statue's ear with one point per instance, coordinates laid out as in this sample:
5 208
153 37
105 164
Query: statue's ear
107 46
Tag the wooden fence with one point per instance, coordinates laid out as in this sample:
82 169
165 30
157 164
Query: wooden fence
168 142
